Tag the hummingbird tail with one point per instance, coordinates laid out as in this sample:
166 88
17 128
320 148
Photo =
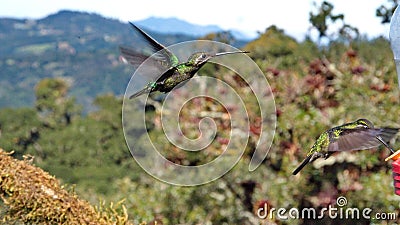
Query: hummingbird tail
143 91
304 163
386 134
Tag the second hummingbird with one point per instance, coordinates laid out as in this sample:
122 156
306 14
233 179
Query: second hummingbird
357 135
172 73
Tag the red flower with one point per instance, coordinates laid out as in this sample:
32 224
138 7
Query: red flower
357 70
274 71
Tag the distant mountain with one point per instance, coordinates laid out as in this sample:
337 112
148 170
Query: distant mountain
83 31
177 26
78 46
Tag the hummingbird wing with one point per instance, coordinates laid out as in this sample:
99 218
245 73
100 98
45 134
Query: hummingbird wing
134 57
360 138
151 70
160 56
166 74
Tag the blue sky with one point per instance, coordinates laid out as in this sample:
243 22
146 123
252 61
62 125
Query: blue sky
248 16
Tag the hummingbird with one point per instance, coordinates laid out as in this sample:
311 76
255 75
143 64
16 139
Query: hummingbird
169 70
357 135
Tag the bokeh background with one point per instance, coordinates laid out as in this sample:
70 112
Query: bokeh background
62 83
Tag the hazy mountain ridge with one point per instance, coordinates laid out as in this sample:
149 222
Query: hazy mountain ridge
174 25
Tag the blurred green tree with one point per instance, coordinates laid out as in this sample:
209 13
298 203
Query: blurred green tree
91 151
272 43
53 104
19 129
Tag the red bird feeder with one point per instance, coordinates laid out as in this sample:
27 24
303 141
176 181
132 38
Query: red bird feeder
396 170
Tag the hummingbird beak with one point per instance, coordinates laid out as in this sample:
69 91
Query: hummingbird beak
227 53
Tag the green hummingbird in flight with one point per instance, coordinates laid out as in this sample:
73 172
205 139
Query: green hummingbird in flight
357 135
167 69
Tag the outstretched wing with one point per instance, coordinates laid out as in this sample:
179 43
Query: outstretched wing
361 138
150 70
161 56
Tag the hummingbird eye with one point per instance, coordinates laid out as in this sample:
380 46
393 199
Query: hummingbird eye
200 58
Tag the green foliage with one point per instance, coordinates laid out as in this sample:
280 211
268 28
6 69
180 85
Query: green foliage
314 88
273 44
53 104
18 128
314 93
93 146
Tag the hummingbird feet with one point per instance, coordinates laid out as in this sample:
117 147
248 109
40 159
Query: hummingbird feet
317 155
309 159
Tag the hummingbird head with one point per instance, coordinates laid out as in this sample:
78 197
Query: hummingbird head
364 122
200 58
